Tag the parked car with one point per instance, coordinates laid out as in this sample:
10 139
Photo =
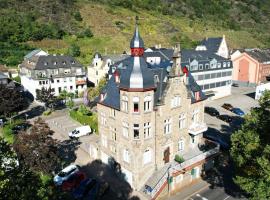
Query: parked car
73 181
223 144
225 118
211 111
65 174
235 85
90 189
227 106
20 127
80 131
238 111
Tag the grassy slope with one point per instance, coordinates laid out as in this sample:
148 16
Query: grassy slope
154 28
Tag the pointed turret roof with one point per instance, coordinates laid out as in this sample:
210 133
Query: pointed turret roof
136 41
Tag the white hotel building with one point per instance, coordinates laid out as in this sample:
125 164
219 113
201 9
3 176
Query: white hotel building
56 71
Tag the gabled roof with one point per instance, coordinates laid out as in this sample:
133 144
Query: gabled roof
33 53
212 44
190 54
163 53
261 55
53 62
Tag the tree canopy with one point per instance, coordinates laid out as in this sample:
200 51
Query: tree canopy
251 151
11 101
37 149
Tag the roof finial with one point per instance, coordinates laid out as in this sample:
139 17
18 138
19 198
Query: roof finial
137 20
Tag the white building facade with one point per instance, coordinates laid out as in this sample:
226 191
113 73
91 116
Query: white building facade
260 89
60 73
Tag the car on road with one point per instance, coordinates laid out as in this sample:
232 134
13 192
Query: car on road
235 85
65 174
90 189
211 111
223 144
73 181
238 111
20 127
225 118
227 106
80 131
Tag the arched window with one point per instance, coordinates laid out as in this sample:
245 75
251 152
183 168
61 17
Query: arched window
147 156
147 103
136 104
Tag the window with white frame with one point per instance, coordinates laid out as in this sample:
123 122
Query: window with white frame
125 129
136 131
195 116
147 156
147 130
125 103
147 103
228 64
112 112
219 65
201 66
113 133
126 156
113 149
104 141
167 126
176 101
181 145
182 121
224 64
136 104
103 119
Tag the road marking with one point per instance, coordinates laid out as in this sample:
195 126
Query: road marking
227 197
197 191
203 198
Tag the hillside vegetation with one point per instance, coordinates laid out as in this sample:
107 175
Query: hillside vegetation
56 25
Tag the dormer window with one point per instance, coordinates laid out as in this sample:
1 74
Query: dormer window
54 63
64 63
72 62
45 63
136 104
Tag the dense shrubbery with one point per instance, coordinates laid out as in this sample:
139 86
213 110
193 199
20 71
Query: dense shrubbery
85 117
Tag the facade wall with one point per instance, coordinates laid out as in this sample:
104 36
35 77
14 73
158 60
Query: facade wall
114 145
245 64
264 71
67 83
96 72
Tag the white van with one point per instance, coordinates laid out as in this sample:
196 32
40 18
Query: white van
80 131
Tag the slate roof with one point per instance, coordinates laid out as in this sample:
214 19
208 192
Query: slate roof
52 62
212 44
32 53
147 74
163 53
136 41
262 55
191 54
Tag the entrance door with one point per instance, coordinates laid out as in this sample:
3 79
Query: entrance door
166 155
243 70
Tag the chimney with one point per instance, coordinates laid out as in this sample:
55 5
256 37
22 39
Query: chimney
116 77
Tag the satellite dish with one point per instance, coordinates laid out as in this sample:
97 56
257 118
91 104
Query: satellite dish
168 68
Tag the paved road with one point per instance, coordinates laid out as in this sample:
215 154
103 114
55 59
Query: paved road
213 194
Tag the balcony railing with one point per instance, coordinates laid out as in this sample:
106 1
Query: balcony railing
197 128
80 82
176 167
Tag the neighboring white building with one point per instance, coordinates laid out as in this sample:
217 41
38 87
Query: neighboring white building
100 66
56 71
260 90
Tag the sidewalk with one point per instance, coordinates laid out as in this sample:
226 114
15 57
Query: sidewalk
189 190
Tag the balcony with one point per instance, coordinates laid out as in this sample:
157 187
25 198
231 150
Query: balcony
197 128
80 82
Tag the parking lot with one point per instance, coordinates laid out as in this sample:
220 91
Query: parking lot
241 98
62 124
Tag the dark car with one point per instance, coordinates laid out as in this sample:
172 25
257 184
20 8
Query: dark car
227 106
235 85
211 111
73 181
90 189
238 111
223 144
225 118
20 127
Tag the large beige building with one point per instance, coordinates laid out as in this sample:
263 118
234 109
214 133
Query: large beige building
149 115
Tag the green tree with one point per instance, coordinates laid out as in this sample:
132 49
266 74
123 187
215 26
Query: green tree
251 151
11 101
46 96
74 50
77 16
37 150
